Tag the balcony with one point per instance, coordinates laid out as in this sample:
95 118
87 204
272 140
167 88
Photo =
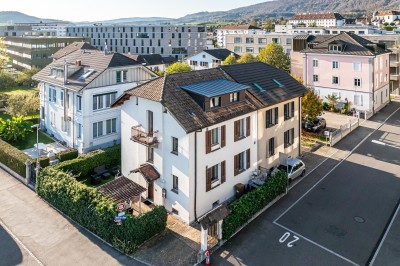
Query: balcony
394 77
149 139
394 63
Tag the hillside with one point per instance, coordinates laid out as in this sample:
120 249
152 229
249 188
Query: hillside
18 17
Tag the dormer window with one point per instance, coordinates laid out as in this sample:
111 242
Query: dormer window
122 76
335 48
234 97
215 102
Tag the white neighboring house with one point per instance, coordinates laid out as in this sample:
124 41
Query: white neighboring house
76 92
329 19
209 58
386 16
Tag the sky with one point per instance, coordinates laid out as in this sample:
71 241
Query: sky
92 10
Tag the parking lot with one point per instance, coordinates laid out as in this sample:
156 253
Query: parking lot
345 212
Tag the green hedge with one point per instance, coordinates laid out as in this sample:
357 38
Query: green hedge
244 208
13 158
83 165
44 161
89 208
68 154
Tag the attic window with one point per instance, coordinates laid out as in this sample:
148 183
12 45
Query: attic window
278 83
259 87
57 73
215 102
87 74
335 48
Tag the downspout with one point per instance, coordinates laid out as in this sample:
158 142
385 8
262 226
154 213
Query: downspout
299 126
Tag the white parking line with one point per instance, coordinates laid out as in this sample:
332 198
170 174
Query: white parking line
384 236
20 243
344 159
318 245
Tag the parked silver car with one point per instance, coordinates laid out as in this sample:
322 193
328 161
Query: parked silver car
295 168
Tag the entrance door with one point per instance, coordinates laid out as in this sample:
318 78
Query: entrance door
150 191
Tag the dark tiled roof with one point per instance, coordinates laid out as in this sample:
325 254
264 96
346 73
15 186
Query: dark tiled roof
214 87
221 54
213 216
121 189
240 27
259 75
148 59
91 59
329 15
72 48
352 45
148 172
169 59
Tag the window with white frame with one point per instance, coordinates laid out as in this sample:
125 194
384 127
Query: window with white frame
249 49
289 110
335 64
315 62
242 161
79 103
103 101
237 40
271 147
357 82
271 117
111 126
62 98
234 97
121 76
79 131
357 66
289 137
214 136
215 173
98 129
215 102
358 100
315 78
175 184
52 95
335 80
203 64
237 49
174 145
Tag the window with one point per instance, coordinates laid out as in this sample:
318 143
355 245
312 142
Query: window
62 98
335 48
215 102
111 126
358 100
204 64
289 137
98 102
122 76
288 41
104 100
174 145
249 50
215 173
276 40
237 49
150 154
335 64
335 80
271 147
52 95
249 40
234 97
272 117
241 162
262 40
315 78
175 183
79 131
357 82
315 62
214 136
175 211
357 66
237 40
289 110
79 103
98 129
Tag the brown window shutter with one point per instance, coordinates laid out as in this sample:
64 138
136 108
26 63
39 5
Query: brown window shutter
236 129
223 172
208 179
223 135
236 166
248 159
248 126
208 141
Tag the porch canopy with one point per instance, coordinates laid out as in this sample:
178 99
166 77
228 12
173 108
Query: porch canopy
215 215
121 189
148 172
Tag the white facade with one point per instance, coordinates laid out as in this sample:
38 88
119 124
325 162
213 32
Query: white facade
203 60
188 164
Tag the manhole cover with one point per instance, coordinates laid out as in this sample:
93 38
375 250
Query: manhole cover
359 219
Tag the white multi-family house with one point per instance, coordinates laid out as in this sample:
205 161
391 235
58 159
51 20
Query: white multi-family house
192 138
386 16
329 19
209 58
76 92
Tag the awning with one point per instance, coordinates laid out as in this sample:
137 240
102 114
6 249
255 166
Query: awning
213 216
121 189
148 172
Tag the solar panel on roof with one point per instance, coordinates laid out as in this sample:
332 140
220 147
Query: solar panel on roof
214 87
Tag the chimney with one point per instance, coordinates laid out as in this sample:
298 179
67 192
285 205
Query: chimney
78 62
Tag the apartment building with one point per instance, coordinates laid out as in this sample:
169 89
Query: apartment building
357 29
209 58
329 19
76 92
34 29
358 71
35 51
189 138
166 40
380 17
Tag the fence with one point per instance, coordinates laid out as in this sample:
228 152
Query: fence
338 134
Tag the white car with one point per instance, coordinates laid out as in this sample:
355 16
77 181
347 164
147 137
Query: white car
295 168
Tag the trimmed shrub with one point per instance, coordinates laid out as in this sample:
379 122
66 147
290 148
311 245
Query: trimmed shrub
67 155
44 161
244 208
13 158
83 165
89 208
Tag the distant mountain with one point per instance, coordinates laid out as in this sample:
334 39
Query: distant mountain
18 17
135 20
287 8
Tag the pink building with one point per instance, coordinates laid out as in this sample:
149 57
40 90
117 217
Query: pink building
351 67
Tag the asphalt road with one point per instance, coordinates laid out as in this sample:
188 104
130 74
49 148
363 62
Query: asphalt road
346 212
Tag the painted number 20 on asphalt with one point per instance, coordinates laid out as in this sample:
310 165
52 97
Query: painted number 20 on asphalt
286 237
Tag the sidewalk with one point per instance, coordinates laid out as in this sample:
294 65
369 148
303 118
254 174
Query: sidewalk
50 237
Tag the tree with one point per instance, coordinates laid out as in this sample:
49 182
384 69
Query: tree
177 68
14 129
6 81
3 53
254 22
311 106
246 58
268 24
25 78
332 101
230 60
274 55
22 104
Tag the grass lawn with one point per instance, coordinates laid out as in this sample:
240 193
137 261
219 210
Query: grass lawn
30 140
104 181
